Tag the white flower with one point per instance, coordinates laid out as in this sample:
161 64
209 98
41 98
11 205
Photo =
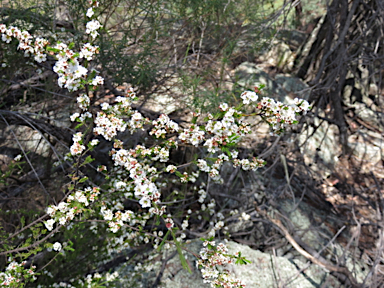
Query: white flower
74 116
77 149
92 26
171 168
90 12
245 216
62 221
97 80
249 96
185 224
49 224
57 246
104 106
17 158
145 202
223 106
51 211
234 154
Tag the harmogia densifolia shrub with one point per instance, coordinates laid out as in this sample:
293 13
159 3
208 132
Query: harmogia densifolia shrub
139 173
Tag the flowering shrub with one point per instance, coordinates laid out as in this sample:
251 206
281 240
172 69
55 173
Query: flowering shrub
138 172
15 274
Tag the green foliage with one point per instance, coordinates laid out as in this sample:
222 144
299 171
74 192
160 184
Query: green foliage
135 47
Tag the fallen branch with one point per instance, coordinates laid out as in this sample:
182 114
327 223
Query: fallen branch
313 259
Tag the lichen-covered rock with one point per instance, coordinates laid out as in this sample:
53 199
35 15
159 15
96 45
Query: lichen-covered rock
265 271
281 87
269 271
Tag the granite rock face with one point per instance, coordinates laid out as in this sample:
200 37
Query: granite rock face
265 271
282 87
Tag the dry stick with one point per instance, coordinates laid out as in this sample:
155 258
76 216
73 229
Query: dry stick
275 267
380 243
318 253
27 158
32 245
24 228
34 127
299 249
270 149
160 275
28 81
340 40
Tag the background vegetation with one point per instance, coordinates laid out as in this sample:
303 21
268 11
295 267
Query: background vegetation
181 56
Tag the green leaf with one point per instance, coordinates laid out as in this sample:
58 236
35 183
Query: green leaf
178 174
68 248
51 49
87 160
183 261
162 242
82 180
79 125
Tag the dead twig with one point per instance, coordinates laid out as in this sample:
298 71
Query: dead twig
313 259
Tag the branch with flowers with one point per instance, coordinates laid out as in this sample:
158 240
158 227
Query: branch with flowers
138 173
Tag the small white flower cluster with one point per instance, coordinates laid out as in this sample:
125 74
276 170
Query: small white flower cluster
26 43
15 273
203 195
157 240
82 117
108 122
68 68
171 169
193 135
116 221
88 50
245 216
211 208
212 257
214 169
162 126
83 101
301 105
137 121
77 148
144 189
92 27
203 166
64 212
67 65
111 276
249 165
280 115
161 154
169 222
218 226
108 125
185 224
226 131
89 281
248 97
